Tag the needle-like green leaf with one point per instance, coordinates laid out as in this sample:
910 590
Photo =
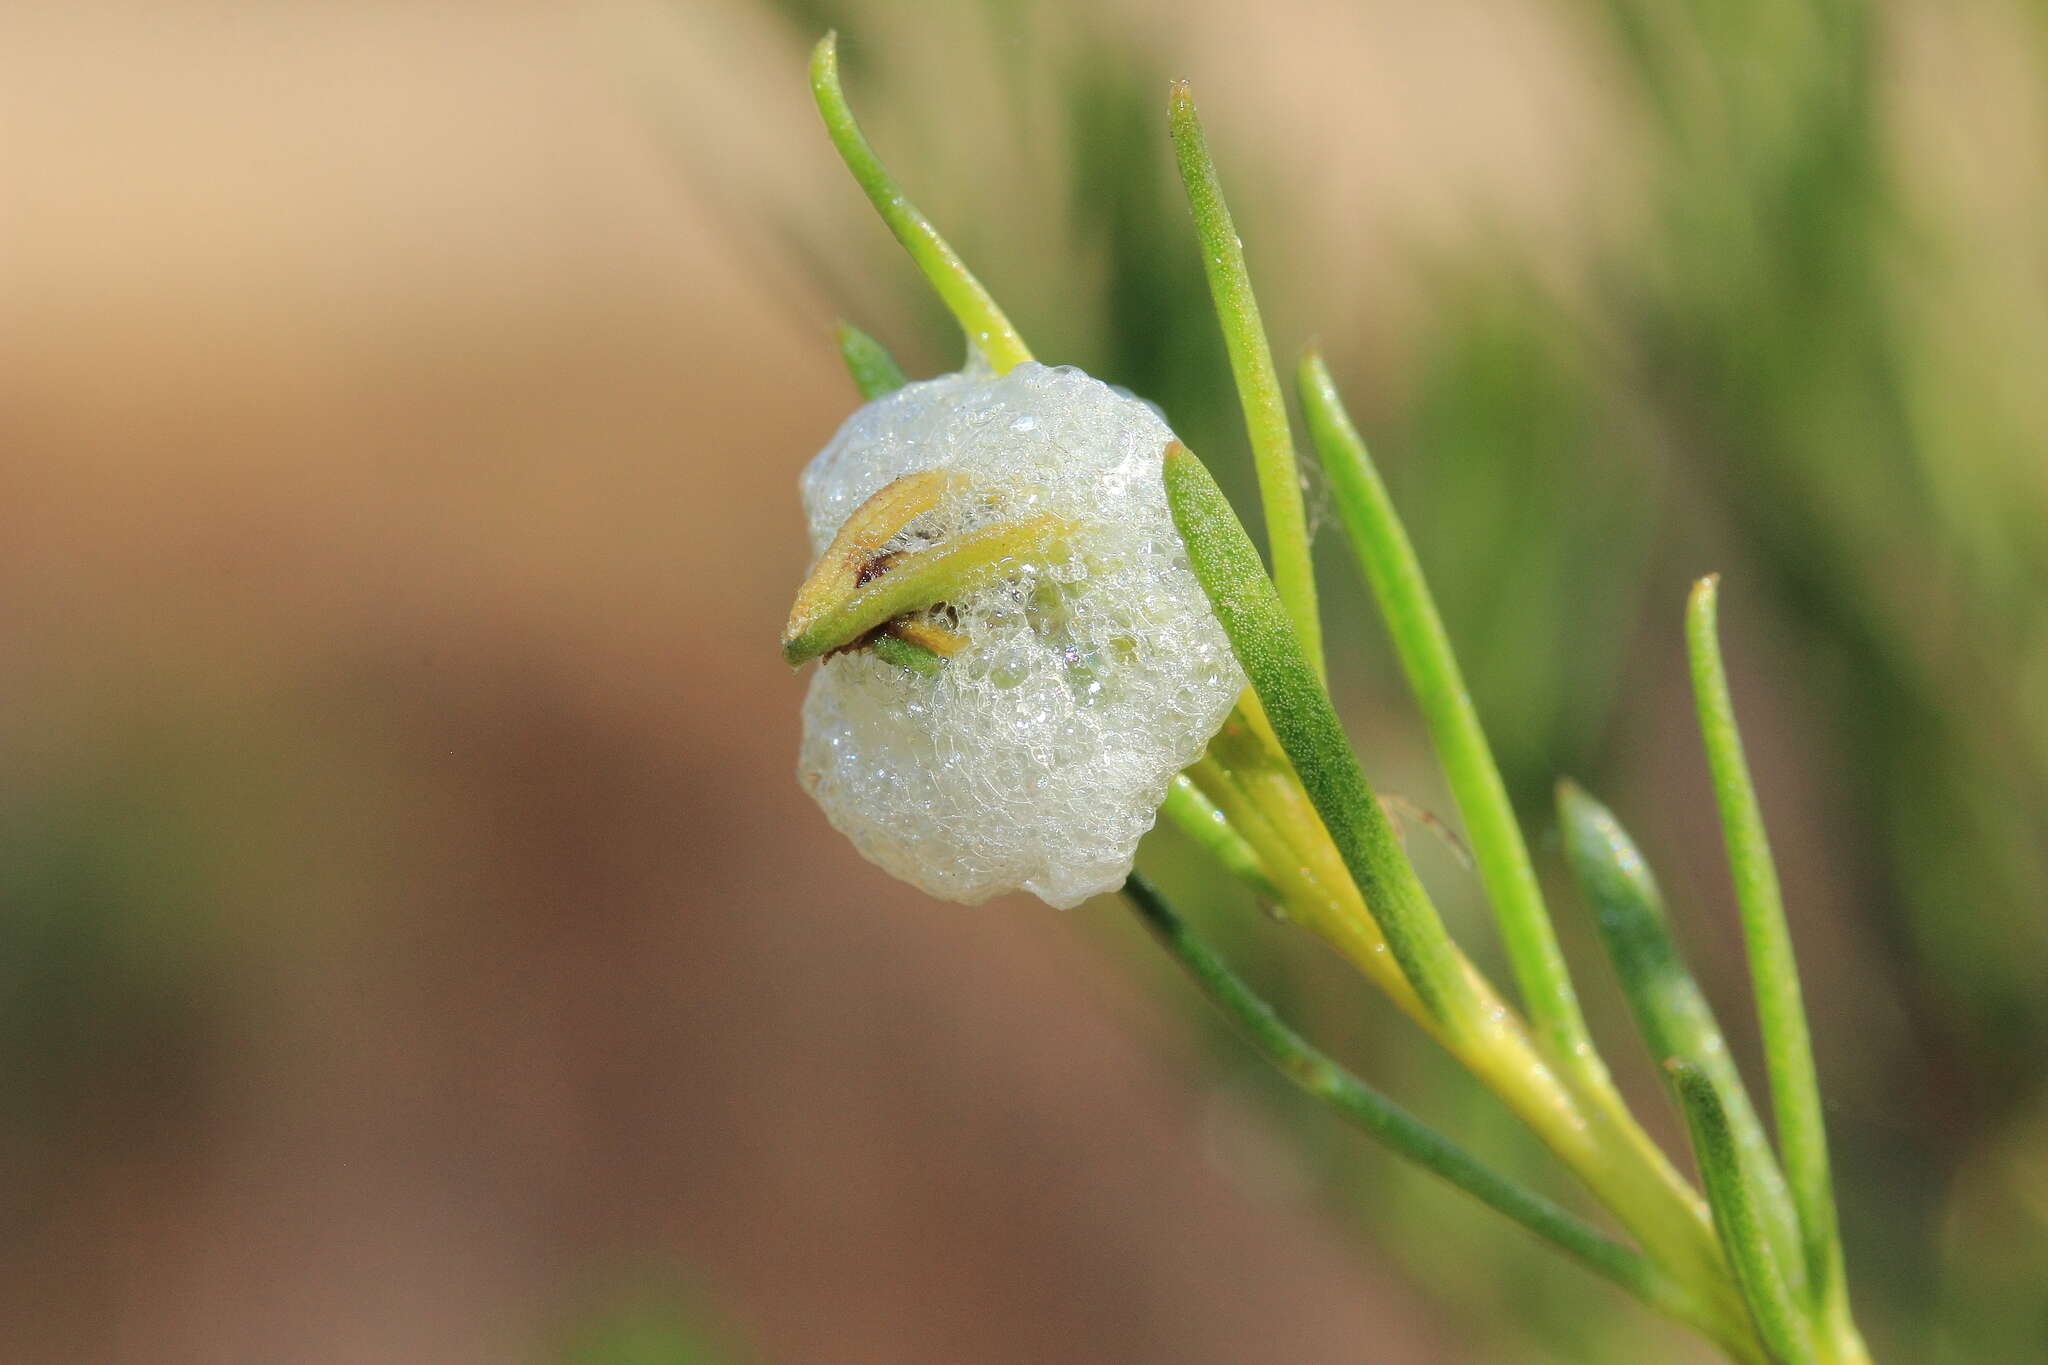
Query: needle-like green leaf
1361 1105
1228 566
1431 667
875 372
988 329
1781 1013
1251 364
1670 1010
1731 1191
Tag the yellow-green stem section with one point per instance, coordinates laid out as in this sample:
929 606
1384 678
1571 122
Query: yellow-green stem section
1250 780
987 326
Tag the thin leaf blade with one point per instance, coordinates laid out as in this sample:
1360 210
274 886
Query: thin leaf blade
1394 573
1731 1191
1670 1010
1781 1010
1251 366
988 328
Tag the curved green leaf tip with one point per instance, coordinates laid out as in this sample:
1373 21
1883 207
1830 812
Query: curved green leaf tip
988 330
873 370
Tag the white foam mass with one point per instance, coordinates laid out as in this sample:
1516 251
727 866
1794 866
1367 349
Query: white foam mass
1039 753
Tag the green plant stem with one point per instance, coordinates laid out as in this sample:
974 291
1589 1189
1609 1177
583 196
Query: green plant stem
1731 1190
1308 730
1251 365
874 371
1252 783
1670 1010
988 329
1190 808
1321 1077
1424 647
1664 1214
1781 1013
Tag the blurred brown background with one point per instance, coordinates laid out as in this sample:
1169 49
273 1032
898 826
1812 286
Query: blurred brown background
413 943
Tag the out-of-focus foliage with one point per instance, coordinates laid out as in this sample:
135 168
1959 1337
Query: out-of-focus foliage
647 1327
1786 311
105 915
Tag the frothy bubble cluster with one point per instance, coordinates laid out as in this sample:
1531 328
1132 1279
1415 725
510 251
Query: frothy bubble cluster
1039 753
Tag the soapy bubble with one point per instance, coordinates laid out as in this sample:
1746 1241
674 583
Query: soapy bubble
1038 755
